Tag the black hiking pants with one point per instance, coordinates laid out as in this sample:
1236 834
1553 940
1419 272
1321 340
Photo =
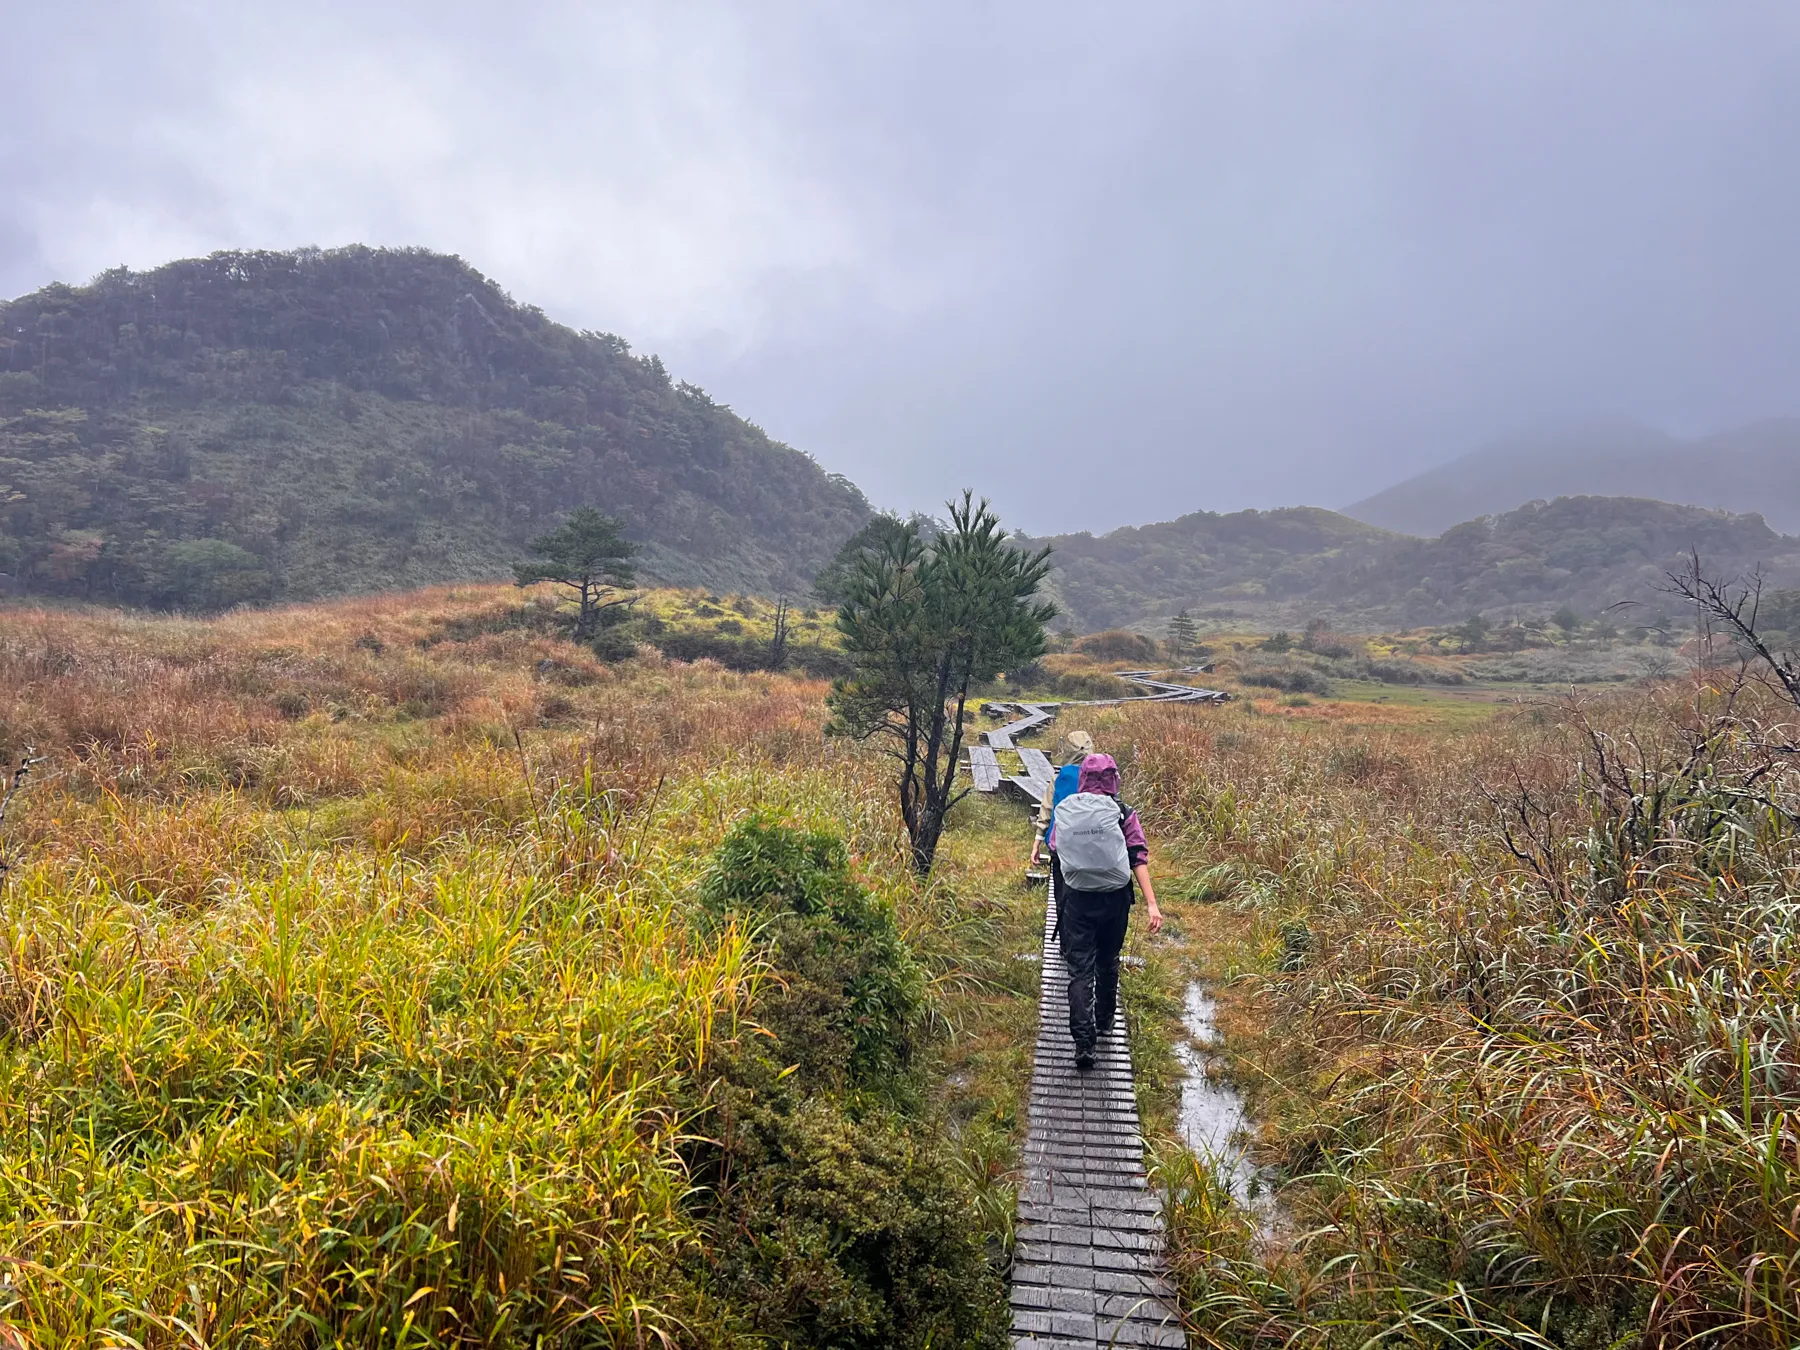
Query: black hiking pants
1091 930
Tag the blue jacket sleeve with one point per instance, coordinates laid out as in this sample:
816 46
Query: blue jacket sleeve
1067 779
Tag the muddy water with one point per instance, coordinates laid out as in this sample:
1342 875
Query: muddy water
1212 1120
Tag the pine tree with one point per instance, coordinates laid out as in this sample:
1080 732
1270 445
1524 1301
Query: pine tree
1182 635
589 554
921 623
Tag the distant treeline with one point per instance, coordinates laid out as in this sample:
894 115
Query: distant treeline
1293 564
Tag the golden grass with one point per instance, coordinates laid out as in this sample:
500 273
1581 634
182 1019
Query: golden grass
1550 1109
345 993
733 615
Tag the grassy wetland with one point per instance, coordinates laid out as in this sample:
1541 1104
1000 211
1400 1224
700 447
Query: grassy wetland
394 972
1514 1004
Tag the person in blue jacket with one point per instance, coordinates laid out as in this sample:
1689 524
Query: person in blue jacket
1079 746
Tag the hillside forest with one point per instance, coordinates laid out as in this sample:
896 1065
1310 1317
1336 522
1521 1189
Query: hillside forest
253 427
1288 566
266 427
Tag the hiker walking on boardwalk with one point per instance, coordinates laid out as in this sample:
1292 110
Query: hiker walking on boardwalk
1097 848
1081 745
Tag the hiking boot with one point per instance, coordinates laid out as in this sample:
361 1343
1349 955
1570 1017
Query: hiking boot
1084 1057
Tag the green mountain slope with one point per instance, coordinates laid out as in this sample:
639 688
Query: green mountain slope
1292 565
290 425
1754 468
1247 560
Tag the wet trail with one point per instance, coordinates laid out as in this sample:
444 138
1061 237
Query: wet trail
1088 1267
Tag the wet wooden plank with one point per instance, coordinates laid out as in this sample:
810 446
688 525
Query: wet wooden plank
1037 763
1088 1270
1159 691
984 768
1030 789
1031 717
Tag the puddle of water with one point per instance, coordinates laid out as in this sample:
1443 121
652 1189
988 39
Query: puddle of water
1212 1119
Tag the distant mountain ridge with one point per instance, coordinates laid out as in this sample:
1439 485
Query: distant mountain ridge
279 426
259 426
1290 565
1754 468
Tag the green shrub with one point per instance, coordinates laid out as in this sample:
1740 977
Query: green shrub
1029 675
1295 680
840 1217
1118 644
850 1007
732 653
207 574
819 661
1081 684
1409 672
617 643
852 1234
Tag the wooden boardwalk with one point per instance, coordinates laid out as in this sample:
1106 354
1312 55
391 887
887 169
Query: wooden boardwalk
984 764
984 767
1031 789
1088 1266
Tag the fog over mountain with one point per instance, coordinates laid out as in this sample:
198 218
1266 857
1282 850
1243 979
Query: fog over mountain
1107 265
1749 469
1603 555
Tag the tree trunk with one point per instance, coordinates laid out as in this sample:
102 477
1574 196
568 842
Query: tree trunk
584 623
939 771
778 639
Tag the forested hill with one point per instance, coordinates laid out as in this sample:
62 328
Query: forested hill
1291 565
1204 560
1752 468
257 426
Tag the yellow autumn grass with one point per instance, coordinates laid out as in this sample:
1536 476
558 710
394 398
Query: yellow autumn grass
345 993
1515 1002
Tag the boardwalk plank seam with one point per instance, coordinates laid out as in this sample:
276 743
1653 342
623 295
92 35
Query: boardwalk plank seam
1088 1267
984 767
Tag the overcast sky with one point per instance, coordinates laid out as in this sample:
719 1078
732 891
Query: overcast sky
1106 263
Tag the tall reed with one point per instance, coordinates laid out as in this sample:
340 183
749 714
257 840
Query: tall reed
347 990
1529 1051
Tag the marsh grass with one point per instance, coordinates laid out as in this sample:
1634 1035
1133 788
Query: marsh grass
1518 1015
350 989
985 916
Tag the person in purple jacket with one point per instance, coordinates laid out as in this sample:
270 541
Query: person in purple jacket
1091 924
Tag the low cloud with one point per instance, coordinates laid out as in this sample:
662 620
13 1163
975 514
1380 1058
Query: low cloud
1107 265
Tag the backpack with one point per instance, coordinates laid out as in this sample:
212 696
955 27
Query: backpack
1090 842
